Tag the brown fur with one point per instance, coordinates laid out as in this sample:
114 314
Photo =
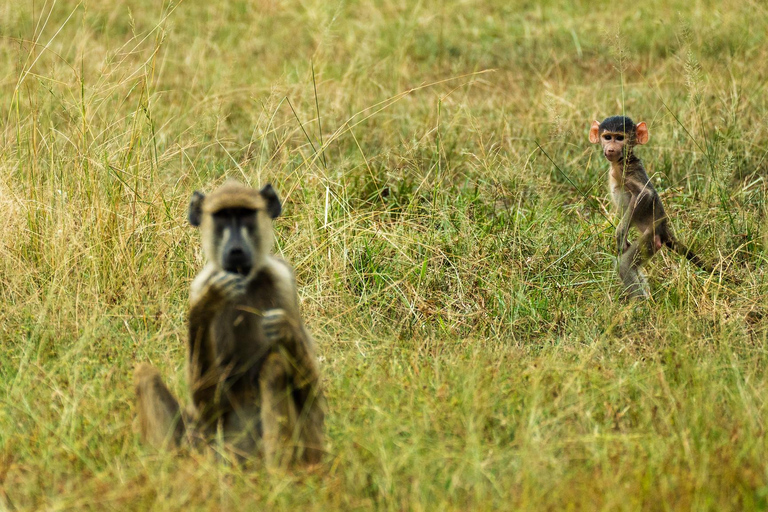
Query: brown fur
637 200
252 373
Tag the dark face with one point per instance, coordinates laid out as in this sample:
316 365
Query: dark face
233 229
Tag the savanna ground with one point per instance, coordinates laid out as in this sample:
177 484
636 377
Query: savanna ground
452 236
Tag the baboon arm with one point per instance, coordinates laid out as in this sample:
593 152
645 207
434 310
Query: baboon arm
296 340
622 230
298 346
202 370
208 292
307 392
301 348
201 367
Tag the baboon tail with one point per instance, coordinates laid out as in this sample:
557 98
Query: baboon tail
681 249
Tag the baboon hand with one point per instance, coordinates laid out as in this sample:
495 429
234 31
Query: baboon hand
225 285
275 324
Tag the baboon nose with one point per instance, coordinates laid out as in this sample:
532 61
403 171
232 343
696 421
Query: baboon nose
237 261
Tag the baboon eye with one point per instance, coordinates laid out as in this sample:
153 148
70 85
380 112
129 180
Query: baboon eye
248 218
607 137
219 227
619 138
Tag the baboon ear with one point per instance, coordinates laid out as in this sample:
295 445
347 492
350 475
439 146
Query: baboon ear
195 214
641 133
594 133
273 202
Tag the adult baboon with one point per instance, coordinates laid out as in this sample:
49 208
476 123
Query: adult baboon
252 374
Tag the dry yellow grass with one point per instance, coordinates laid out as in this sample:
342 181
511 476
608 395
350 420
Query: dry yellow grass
459 283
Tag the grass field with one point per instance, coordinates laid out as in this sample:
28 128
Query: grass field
452 236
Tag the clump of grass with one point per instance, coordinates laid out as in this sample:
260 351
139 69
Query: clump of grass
450 230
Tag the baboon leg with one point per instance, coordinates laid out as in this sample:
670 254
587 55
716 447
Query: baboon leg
278 411
635 284
311 420
158 417
242 429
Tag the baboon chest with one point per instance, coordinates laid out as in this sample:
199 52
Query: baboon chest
237 332
619 194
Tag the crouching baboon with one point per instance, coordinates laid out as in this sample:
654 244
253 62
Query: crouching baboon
252 373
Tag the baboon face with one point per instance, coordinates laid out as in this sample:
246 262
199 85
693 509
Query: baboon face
614 145
236 225
618 135
234 230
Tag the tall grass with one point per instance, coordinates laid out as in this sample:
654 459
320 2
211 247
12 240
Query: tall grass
451 233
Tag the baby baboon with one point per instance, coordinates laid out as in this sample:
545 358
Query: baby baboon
252 373
638 202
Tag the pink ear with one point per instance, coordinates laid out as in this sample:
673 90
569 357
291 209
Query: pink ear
594 133
641 132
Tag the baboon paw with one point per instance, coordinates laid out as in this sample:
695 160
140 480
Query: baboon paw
637 292
274 322
227 285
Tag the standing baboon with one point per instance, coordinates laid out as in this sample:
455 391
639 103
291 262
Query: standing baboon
252 373
638 202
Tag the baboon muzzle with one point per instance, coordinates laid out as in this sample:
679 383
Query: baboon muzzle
238 261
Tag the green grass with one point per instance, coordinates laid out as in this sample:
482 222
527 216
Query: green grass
460 285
